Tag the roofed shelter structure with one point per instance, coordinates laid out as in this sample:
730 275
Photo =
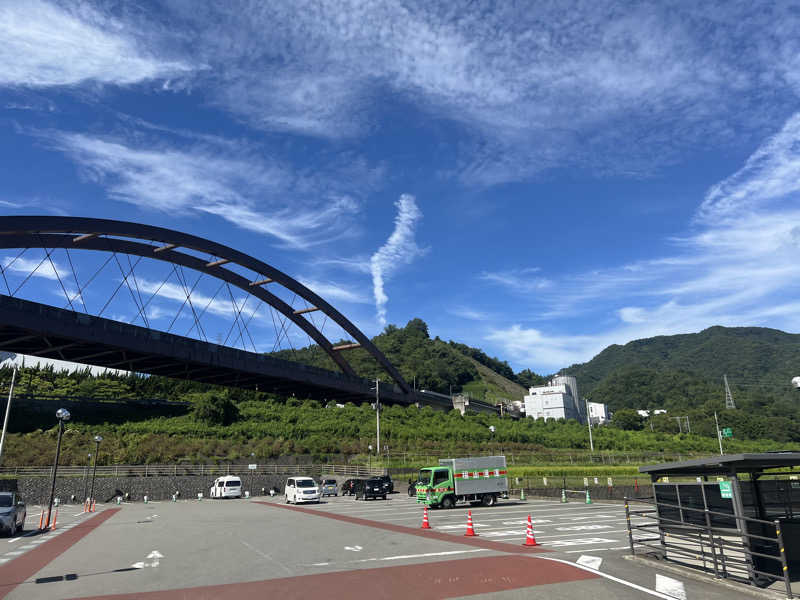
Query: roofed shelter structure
736 515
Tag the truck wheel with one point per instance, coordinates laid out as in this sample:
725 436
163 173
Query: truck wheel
488 500
448 502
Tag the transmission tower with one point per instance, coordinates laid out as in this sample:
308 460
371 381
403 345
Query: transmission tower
729 403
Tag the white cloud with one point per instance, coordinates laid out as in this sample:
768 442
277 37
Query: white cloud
464 312
43 268
248 191
330 291
521 281
47 45
400 249
772 172
618 89
740 266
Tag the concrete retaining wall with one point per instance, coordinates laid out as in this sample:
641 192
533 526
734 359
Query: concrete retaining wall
36 490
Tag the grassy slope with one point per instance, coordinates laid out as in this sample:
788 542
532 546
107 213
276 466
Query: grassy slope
493 386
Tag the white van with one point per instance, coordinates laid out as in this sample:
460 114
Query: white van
228 486
301 489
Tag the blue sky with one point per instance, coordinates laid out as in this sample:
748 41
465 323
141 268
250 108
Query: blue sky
538 180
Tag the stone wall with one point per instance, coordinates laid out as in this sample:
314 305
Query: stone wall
36 490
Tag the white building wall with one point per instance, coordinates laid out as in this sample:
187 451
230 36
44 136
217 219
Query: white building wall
598 413
554 401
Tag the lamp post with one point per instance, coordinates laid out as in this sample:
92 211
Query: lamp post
252 457
97 440
86 477
369 463
62 414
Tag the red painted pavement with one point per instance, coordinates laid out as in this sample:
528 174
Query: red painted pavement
427 533
25 566
429 581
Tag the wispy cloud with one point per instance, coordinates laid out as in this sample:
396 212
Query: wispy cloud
521 281
45 44
334 291
738 266
244 189
38 267
618 90
399 250
464 312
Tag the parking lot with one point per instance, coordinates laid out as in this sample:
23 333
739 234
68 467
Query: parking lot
340 548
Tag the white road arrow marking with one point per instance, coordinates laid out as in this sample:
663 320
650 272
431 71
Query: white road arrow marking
670 587
593 562
155 554
138 565
354 548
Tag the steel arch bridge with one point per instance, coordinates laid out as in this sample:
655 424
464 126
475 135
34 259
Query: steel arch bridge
42 330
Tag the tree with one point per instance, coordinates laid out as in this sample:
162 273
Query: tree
627 418
214 409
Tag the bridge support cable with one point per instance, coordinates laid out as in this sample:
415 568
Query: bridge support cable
249 319
139 293
186 290
236 320
92 278
77 283
128 284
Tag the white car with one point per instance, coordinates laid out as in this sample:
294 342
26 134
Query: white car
301 489
228 486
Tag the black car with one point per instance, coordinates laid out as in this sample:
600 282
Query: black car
12 513
388 484
347 488
369 488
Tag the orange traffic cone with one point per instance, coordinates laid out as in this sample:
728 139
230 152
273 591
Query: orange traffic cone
94 508
41 520
530 540
55 517
470 528
425 524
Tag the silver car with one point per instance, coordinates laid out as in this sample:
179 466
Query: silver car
12 513
329 487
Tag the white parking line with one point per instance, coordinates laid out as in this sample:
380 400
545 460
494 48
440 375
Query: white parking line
610 577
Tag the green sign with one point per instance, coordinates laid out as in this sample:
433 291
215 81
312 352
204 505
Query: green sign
725 489
727 432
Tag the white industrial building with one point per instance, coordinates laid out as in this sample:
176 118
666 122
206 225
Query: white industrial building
557 400
598 413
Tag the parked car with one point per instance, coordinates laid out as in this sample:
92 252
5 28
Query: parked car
228 486
347 487
328 487
388 484
301 489
12 513
370 488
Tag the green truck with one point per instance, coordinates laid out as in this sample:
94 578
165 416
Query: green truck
478 480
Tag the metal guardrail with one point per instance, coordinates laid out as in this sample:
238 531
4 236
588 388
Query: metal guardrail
728 552
203 470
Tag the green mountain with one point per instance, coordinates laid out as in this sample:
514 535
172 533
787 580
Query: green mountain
685 372
429 364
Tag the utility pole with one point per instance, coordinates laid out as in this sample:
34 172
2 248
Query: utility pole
8 411
589 421
378 414
719 433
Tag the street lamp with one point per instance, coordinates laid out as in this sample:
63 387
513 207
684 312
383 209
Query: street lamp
86 477
370 457
62 414
97 440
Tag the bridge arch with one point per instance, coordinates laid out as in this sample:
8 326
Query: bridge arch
136 239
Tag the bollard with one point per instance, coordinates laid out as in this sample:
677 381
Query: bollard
522 494
119 500
588 497
563 495
56 502
174 498
200 495
145 499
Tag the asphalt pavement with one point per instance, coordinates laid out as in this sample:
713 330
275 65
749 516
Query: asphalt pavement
340 548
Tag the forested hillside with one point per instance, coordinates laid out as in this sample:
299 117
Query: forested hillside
428 364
